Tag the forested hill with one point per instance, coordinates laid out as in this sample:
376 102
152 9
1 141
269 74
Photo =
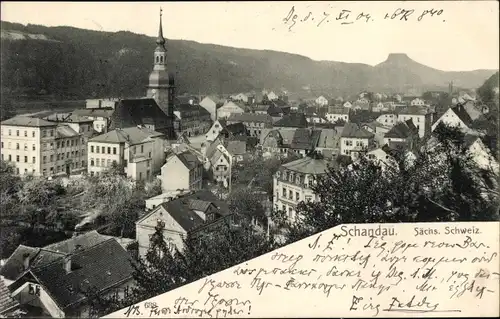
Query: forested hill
76 63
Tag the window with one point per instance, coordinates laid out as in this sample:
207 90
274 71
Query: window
26 159
33 134
67 154
297 196
91 148
109 150
17 146
103 149
76 153
34 159
67 143
290 194
308 198
51 145
25 133
10 158
57 144
91 162
97 162
51 158
283 207
17 158
72 153
10 132
83 163
17 132
140 175
44 159
114 150
348 142
44 133
2 144
284 192
72 142
51 133
108 164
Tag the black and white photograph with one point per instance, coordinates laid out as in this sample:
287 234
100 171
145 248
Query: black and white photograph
146 146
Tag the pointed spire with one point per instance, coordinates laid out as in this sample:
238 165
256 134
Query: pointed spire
160 40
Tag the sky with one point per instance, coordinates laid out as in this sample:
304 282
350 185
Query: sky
452 36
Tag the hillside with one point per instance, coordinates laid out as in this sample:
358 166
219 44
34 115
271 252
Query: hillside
75 63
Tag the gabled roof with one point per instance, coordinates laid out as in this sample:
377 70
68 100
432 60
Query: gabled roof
402 130
297 120
188 159
462 114
353 131
101 266
212 148
329 138
304 139
236 128
40 256
65 131
28 121
185 108
133 112
131 135
250 117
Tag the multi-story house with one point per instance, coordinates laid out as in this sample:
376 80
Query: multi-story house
194 119
417 102
403 132
322 100
388 119
295 120
456 116
100 117
188 213
292 183
230 107
254 123
335 114
138 150
328 143
42 148
354 140
222 128
211 104
420 116
282 141
181 170
43 279
102 103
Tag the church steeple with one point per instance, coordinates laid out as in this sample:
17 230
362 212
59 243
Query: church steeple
160 40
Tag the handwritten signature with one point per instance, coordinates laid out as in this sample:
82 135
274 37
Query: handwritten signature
345 17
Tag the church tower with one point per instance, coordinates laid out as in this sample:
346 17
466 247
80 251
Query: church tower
161 86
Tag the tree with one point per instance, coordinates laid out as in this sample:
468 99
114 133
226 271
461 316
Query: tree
442 183
10 184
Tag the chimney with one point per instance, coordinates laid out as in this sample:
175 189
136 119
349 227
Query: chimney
67 263
26 261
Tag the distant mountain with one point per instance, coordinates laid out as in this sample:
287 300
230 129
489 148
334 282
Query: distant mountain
77 63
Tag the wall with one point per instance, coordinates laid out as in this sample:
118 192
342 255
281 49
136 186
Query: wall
210 106
357 144
118 157
174 175
43 301
30 141
418 120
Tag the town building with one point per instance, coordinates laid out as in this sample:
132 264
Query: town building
404 132
328 144
420 116
293 181
181 170
223 129
336 114
354 140
347 104
254 123
50 280
282 141
230 107
271 96
456 116
417 102
103 103
100 117
388 119
189 213
211 103
292 120
139 151
322 100
42 148
194 119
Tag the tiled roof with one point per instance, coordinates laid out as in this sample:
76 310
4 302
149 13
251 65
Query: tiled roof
133 112
250 117
304 139
40 256
308 165
184 108
63 131
97 112
460 111
76 118
212 148
101 266
352 130
469 139
27 121
236 147
286 135
292 120
7 303
402 130
236 128
132 135
188 159
337 110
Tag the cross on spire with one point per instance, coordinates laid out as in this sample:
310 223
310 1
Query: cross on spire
160 40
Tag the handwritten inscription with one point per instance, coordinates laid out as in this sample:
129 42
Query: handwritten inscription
345 17
367 270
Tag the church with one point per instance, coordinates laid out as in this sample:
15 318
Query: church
156 110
